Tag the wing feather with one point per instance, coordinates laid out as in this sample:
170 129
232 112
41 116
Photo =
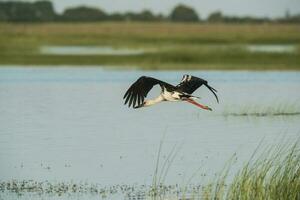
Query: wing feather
127 98
138 91
190 83
213 91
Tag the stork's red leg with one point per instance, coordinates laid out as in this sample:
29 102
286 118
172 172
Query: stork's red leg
198 104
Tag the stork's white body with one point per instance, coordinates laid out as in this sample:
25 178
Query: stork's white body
164 96
170 96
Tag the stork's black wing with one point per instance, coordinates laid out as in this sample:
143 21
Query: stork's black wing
137 92
190 83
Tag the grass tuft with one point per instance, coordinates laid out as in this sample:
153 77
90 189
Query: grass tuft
275 174
257 110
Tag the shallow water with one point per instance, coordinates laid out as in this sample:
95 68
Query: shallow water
70 124
108 50
272 48
88 50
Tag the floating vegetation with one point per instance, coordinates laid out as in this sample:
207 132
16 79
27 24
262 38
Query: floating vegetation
256 110
59 188
130 192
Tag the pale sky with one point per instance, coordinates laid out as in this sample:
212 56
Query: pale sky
260 8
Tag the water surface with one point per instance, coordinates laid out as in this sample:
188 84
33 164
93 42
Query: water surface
108 50
272 48
70 124
88 50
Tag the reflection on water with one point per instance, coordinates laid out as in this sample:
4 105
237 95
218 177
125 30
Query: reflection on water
70 124
88 50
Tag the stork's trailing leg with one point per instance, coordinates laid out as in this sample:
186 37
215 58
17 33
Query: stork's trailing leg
198 104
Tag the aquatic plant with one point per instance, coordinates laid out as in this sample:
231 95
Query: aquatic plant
22 187
261 110
158 190
275 174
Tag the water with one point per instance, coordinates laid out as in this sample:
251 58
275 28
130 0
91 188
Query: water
88 50
272 48
108 50
70 125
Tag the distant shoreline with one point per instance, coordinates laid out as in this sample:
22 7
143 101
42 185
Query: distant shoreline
167 45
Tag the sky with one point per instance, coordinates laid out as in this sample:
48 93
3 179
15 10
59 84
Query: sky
259 8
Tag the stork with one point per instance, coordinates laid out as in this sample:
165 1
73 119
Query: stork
137 92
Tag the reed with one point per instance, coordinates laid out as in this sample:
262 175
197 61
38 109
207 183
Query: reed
274 174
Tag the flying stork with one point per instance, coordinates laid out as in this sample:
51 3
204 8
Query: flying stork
136 94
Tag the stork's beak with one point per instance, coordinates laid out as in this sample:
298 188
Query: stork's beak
198 104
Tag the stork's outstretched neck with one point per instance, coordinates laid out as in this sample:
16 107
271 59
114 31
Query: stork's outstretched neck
150 102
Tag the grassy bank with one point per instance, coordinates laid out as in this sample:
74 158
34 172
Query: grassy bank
166 45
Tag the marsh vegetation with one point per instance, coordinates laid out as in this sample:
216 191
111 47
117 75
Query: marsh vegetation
165 45
273 174
258 110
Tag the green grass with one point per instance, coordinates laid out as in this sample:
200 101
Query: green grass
176 46
273 175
